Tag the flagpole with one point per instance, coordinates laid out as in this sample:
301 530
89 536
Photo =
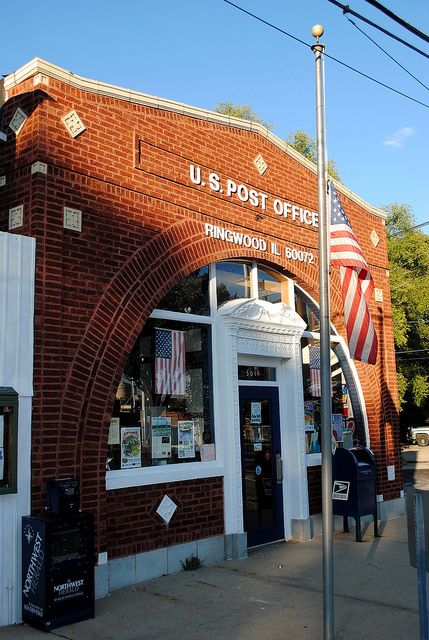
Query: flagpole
325 355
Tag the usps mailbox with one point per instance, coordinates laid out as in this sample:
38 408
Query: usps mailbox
354 486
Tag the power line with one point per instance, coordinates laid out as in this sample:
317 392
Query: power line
387 54
346 9
411 351
382 84
399 20
361 73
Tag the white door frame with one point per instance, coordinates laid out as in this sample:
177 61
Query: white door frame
256 331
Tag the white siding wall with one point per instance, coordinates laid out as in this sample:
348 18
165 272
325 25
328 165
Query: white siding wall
17 264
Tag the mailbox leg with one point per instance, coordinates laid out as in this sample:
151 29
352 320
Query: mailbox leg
358 530
345 524
376 534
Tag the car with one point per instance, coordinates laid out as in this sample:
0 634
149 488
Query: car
420 435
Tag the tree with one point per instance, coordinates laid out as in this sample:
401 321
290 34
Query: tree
307 146
409 280
243 111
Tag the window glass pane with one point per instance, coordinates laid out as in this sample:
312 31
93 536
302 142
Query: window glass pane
162 413
344 421
190 295
232 281
269 287
307 310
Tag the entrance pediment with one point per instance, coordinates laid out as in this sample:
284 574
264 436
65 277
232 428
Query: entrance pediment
261 311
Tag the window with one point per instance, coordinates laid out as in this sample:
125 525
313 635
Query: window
272 286
162 412
347 428
190 295
232 281
307 310
8 439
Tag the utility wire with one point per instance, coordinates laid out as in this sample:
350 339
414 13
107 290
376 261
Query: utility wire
347 9
411 351
399 20
269 24
387 54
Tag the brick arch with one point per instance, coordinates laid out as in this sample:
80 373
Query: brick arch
110 335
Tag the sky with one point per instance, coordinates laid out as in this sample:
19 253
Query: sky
203 52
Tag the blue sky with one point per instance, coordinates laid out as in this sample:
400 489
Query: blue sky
203 52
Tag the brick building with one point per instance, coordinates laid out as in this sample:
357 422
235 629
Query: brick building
175 321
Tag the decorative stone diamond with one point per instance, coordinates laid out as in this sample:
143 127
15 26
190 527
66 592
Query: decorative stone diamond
260 164
72 219
374 238
18 120
39 167
73 124
16 217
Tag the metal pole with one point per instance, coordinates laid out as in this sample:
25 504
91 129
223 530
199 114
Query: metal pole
325 355
420 563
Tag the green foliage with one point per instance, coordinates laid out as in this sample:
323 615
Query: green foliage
243 111
192 563
307 146
409 279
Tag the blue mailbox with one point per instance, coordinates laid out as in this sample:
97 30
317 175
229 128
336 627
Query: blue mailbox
354 486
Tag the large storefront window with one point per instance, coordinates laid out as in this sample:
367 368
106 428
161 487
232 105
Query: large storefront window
162 411
344 421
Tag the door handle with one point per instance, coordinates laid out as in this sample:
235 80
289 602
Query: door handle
279 468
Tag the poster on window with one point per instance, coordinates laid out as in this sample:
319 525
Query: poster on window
114 437
337 426
309 415
255 413
185 439
130 447
161 438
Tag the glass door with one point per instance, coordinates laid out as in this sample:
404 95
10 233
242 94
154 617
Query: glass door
261 465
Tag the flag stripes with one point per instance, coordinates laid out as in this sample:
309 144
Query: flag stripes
170 366
357 285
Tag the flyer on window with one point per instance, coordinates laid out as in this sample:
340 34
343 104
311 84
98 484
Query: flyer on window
114 437
185 435
130 447
309 415
161 438
337 427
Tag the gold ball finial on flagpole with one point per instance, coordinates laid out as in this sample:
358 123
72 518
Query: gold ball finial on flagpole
317 31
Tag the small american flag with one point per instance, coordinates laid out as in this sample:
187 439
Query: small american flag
356 284
315 381
170 368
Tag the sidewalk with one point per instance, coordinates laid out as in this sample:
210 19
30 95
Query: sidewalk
274 594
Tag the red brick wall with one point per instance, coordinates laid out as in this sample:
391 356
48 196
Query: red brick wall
142 230
133 525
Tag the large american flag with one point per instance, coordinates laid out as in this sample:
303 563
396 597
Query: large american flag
170 367
356 284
